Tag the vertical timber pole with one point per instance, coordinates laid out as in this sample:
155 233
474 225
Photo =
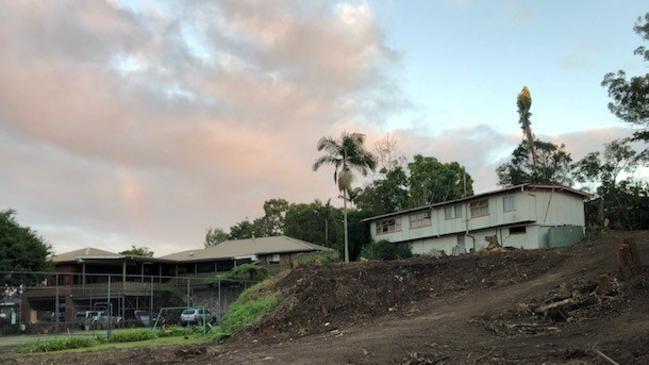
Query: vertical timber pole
56 303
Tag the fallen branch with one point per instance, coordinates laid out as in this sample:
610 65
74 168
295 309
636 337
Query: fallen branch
603 356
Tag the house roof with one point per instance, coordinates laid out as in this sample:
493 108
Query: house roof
247 247
521 187
84 252
95 254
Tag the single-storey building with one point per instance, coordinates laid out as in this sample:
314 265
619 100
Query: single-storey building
527 216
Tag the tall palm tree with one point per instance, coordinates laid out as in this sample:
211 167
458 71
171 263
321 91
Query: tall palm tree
524 102
345 154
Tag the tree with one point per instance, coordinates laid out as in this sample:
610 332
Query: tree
21 249
622 201
387 194
345 154
432 181
247 229
274 212
630 97
388 156
553 166
524 103
138 251
214 236
314 222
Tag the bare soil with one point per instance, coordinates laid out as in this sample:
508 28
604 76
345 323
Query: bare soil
473 309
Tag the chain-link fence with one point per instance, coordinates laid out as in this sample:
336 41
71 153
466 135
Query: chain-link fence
42 303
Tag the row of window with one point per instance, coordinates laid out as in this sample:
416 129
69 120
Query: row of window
478 208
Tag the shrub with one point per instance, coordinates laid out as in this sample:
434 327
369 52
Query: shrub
62 343
252 305
314 260
133 335
248 272
386 250
174 331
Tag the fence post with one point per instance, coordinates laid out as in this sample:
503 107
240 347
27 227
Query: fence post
56 303
110 312
151 305
188 288
220 306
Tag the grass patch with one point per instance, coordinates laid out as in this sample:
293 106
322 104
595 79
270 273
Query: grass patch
62 343
133 335
311 260
122 339
251 306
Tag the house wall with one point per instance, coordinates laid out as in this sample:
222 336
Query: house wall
537 211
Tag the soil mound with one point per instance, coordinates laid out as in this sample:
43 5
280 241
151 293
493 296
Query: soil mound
326 298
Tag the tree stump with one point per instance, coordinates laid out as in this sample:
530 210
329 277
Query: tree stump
628 260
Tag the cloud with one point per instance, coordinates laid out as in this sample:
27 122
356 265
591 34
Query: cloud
145 123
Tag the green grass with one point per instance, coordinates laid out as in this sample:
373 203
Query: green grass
63 343
133 335
121 339
251 306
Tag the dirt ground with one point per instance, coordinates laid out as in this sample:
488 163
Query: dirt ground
481 309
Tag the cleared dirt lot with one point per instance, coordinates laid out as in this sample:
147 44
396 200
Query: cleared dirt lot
455 310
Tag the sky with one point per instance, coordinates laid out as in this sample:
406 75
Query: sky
143 123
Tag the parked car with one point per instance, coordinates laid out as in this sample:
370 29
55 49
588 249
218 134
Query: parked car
197 316
95 320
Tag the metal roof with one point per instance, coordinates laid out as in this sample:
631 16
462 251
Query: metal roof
247 247
521 187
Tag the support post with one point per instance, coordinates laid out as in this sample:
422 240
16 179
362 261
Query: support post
188 289
110 312
220 305
151 304
56 303
83 277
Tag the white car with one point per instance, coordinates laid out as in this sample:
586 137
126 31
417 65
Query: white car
196 316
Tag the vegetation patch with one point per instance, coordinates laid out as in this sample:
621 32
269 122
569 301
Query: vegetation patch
315 260
386 250
133 335
63 343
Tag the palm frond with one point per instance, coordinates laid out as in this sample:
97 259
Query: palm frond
330 145
326 159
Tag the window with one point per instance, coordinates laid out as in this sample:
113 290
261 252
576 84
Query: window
273 259
517 230
388 225
453 212
420 220
509 203
479 208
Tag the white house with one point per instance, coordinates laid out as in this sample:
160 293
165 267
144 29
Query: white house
523 216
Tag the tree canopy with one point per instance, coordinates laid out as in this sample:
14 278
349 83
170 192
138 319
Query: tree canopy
432 181
630 96
214 236
553 165
21 248
138 251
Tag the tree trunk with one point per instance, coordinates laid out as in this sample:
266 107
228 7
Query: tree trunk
345 224
530 144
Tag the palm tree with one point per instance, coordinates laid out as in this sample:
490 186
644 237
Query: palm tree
524 102
345 154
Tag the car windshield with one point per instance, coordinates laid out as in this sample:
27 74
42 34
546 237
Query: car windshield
189 311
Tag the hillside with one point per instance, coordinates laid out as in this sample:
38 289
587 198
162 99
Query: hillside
521 307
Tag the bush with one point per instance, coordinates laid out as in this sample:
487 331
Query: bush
251 306
386 250
174 331
314 260
63 343
248 272
133 335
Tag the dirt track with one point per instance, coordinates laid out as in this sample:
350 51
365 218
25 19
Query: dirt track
441 328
